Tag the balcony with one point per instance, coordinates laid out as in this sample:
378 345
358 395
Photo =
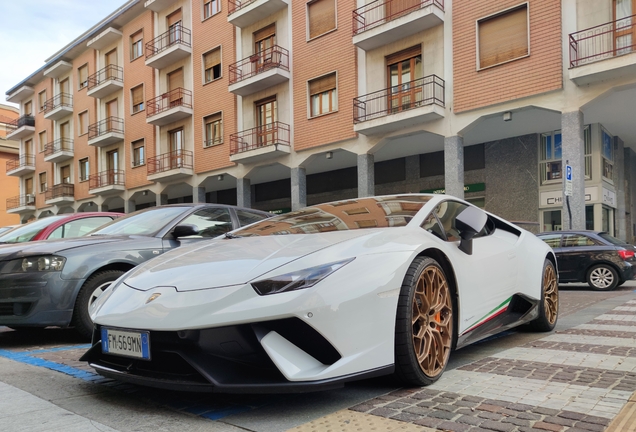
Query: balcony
106 132
60 193
59 150
169 107
603 52
58 69
21 127
105 38
398 107
106 81
21 204
157 5
20 94
244 13
106 182
259 71
58 107
382 22
169 48
260 143
21 165
170 166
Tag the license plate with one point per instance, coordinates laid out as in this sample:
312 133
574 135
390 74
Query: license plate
126 343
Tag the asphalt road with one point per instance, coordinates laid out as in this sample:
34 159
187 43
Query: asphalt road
44 364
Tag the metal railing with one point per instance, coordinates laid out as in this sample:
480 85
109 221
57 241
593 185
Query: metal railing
20 162
106 178
262 61
260 136
235 5
382 11
413 94
59 145
178 97
59 191
108 125
169 161
25 120
20 201
109 73
176 35
602 42
57 101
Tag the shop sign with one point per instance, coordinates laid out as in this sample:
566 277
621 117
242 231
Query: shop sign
555 198
474 187
280 211
609 198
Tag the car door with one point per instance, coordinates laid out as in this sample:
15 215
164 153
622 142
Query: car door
210 221
575 256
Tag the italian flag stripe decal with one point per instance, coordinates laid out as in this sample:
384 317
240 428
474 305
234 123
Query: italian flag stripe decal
490 315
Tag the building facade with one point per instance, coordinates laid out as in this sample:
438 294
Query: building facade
275 104
8 152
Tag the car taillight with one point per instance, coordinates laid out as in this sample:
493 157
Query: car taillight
626 254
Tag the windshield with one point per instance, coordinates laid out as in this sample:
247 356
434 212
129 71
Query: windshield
146 222
379 212
26 232
612 240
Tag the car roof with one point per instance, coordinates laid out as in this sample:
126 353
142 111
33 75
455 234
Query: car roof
572 232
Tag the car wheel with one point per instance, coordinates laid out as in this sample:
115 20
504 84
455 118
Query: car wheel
424 324
549 305
602 278
92 288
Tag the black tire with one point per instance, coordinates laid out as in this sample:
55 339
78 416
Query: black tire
549 305
87 295
602 277
423 343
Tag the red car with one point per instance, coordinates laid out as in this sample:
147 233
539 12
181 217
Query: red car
57 227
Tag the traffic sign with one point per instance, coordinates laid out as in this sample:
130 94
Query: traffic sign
568 180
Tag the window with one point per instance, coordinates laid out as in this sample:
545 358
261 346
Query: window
28 109
79 227
321 17
550 157
247 217
607 155
82 123
174 27
138 157
42 140
211 7
503 37
212 65
552 220
137 96
323 95
136 45
82 75
42 99
553 240
211 222
403 69
576 240
65 174
83 169
213 130
43 186
624 31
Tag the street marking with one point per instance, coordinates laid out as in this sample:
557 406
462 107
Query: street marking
589 360
591 340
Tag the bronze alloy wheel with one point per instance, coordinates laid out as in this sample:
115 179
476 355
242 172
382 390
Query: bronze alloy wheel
432 321
550 294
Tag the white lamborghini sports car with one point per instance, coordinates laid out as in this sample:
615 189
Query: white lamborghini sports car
327 294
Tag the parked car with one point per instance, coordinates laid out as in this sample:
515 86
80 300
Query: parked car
327 294
53 283
58 227
7 228
595 257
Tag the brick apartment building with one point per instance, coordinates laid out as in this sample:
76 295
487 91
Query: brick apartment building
275 104
9 186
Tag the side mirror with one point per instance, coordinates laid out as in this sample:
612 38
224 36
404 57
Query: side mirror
469 223
184 230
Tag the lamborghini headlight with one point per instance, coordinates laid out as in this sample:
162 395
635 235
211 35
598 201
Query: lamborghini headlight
297 280
34 264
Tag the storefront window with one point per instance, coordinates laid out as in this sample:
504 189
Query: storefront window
608 220
552 220
608 155
589 217
551 156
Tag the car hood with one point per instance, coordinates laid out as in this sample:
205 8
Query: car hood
226 262
44 247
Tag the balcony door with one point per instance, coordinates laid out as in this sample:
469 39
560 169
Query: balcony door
65 133
175 82
28 186
403 68
266 118
176 148
65 93
624 27
174 27
111 60
111 116
264 41
28 151
65 174
112 167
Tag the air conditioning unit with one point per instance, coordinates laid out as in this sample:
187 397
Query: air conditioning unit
30 198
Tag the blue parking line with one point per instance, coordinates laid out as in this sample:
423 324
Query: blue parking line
26 357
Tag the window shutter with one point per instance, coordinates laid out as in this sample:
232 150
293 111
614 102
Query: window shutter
111 58
137 95
320 85
175 79
137 36
212 58
83 73
403 55
174 18
265 32
322 17
503 37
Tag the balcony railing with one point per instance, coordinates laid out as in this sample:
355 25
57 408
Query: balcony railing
25 120
106 178
20 162
108 125
20 201
176 35
60 191
382 11
57 101
262 61
109 73
414 94
603 41
235 5
260 136
178 97
169 161
59 145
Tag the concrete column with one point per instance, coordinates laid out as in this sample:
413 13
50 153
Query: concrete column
298 188
162 199
243 192
454 166
366 175
129 206
198 194
573 154
619 181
